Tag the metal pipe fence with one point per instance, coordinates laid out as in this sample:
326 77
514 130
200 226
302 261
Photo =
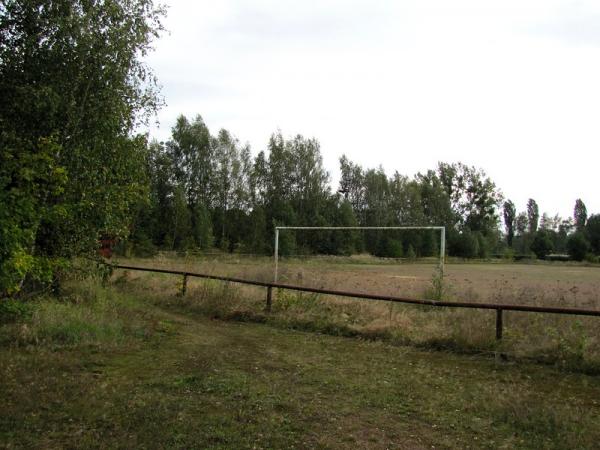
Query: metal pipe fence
498 307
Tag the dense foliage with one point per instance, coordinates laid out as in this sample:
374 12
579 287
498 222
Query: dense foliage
208 191
72 87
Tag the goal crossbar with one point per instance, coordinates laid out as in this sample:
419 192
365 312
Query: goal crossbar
442 231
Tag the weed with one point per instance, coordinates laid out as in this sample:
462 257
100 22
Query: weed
13 310
212 298
439 288
290 300
87 314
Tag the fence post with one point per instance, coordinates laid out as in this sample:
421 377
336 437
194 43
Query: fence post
499 324
269 298
184 285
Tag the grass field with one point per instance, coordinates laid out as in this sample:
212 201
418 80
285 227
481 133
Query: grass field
568 341
557 284
132 366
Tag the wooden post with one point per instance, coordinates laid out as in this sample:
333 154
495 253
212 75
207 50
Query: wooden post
184 284
269 298
498 324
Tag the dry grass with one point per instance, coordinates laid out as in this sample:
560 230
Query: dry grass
567 341
555 283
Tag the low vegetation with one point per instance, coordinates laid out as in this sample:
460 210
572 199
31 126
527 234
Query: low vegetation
134 365
567 342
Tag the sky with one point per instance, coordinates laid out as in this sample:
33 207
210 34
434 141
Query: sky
511 87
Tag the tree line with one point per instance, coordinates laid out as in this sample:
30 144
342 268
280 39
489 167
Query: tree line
577 236
208 191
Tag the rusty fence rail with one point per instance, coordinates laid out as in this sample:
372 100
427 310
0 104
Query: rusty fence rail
498 307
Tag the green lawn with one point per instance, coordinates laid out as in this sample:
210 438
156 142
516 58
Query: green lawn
183 381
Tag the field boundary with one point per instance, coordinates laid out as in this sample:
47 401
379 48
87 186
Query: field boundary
499 308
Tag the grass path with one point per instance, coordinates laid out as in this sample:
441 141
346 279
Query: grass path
209 384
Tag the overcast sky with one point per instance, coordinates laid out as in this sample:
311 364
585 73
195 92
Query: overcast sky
512 87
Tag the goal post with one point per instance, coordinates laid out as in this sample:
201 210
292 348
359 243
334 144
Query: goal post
442 231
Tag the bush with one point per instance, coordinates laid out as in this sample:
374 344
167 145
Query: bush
542 244
592 229
508 254
465 245
394 248
87 314
13 311
578 246
438 290
389 248
287 244
483 250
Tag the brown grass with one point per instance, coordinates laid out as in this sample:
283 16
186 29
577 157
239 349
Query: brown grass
552 283
570 342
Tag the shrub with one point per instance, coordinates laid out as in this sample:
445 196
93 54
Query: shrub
394 248
13 311
438 290
87 314
592 229
578 246
509 254
389 248
542 244
464 244
483 246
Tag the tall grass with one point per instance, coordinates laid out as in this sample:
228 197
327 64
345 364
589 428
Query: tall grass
87 314
568 342
90 314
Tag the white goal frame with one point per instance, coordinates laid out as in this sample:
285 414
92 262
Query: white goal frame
442 231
